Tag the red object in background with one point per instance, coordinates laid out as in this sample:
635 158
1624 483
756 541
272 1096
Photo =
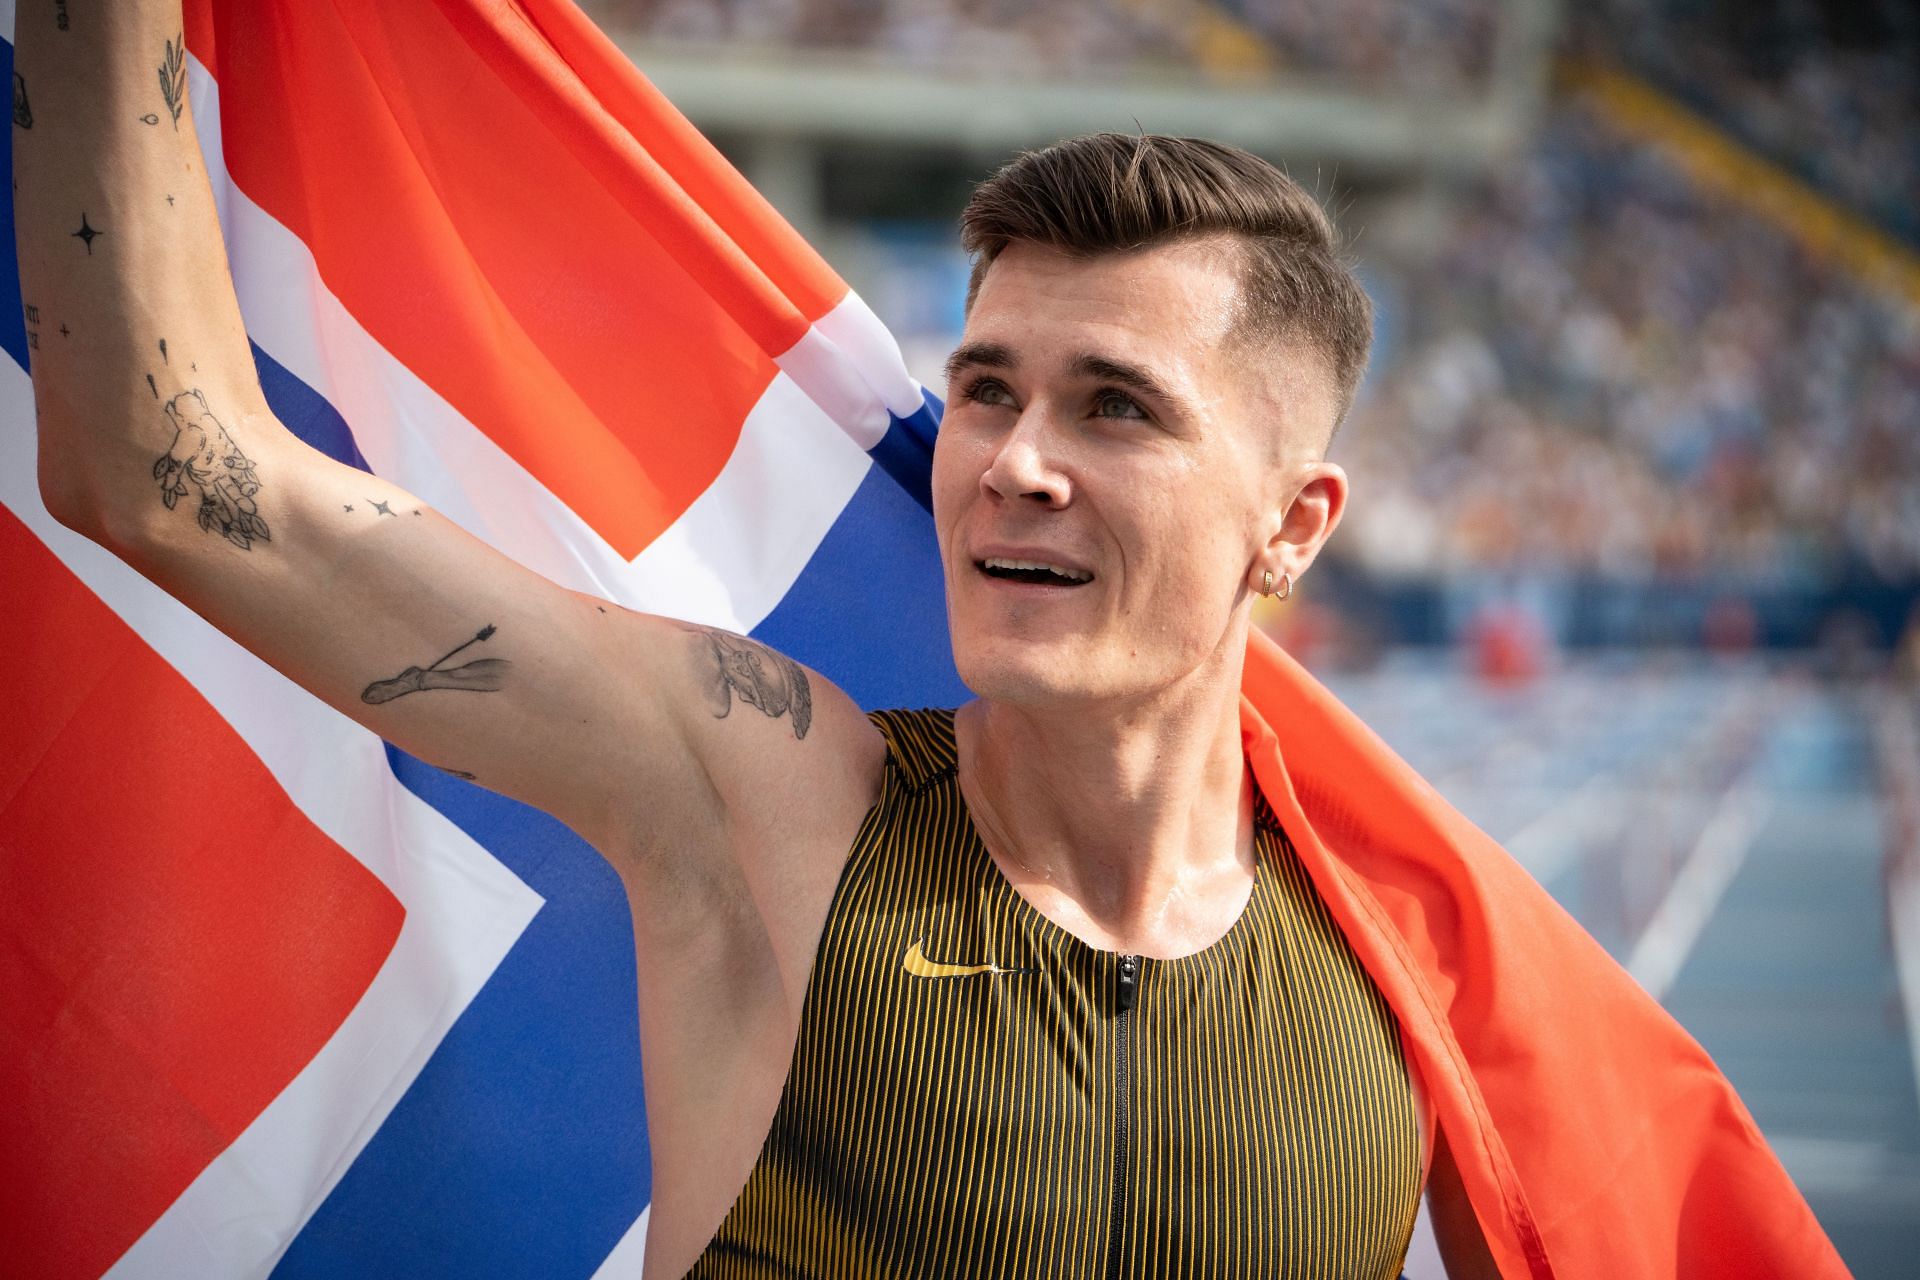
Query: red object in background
1508 644
1731 626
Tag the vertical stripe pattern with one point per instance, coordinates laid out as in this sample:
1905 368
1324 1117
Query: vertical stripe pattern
987 1102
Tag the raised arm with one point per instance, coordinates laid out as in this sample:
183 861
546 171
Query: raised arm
156 440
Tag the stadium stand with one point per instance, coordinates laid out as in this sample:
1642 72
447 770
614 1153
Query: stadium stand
1829 90
1436 43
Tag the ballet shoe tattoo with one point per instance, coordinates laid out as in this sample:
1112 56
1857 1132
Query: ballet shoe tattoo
481 675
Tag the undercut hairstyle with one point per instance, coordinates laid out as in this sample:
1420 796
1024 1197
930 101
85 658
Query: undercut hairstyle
1117 192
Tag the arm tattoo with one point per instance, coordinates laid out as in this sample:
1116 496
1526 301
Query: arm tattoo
60 14
773 682
173 77
482 675
204 453
22 113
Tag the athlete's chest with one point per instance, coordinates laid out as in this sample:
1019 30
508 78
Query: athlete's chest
975 1091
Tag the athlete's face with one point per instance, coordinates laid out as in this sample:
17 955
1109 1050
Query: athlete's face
1103 421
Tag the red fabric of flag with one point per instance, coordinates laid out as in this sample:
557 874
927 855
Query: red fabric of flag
1594 1136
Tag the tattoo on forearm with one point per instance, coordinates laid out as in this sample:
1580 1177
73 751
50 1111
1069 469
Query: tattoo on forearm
173 77
33 326
163 351
482 675
203 452
776 684
22 113
60 14
150 118
86 234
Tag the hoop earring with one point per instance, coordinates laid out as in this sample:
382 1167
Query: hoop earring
1286 585
1266 584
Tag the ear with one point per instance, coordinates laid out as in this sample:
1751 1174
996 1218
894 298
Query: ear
1302 527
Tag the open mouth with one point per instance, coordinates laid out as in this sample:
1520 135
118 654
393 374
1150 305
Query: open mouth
1035 572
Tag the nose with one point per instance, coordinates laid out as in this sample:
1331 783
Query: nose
1024 466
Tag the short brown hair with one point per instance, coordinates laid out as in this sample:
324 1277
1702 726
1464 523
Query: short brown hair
1114 192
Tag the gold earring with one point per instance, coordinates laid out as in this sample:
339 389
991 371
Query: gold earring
1266 585
1286 584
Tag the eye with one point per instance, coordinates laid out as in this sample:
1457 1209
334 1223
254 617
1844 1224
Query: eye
1116 404
987 391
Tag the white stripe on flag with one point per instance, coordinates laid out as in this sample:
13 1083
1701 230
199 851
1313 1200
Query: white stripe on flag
728 560
625 1262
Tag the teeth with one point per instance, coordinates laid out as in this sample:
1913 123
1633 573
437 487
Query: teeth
1071 575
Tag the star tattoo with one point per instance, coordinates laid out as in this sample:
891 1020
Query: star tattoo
382 508
87 234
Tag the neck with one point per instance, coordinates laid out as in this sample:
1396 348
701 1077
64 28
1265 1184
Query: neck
1128 823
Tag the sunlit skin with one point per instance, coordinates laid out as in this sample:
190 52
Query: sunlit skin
1105 417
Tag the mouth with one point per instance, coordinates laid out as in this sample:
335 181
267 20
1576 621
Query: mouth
1037 573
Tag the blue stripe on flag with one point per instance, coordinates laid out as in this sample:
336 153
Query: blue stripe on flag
869 611
521 1149
13 324
307 413
906 451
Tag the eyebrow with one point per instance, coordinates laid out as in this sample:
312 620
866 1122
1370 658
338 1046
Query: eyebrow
996 355
1133 377
992 355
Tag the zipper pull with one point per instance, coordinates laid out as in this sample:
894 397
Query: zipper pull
1129 978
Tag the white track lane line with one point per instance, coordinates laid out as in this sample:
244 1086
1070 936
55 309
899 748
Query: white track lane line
1696 892
1899 744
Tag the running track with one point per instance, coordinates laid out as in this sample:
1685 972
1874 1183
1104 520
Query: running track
1726 832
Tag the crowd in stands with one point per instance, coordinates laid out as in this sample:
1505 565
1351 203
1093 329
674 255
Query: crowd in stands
1832 90
1588 364
1434 45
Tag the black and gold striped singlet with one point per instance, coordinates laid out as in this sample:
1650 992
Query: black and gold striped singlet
976 1092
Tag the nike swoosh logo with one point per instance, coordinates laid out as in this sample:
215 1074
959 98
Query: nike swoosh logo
916 963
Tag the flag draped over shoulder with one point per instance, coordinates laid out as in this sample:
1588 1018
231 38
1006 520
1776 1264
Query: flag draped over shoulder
276 997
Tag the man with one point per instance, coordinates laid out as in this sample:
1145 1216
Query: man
1037 986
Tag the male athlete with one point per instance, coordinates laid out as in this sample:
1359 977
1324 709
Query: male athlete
1033 988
